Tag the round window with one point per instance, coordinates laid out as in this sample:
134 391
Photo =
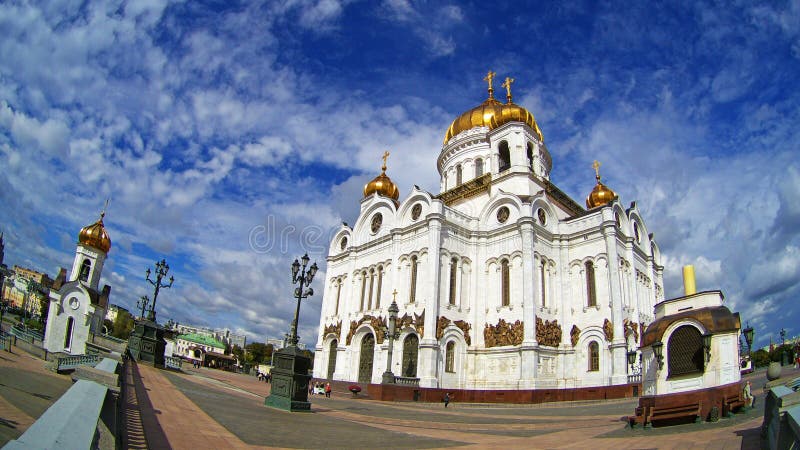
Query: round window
377 221
542 217
416 211
502 214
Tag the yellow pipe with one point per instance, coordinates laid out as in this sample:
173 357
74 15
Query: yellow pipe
689 286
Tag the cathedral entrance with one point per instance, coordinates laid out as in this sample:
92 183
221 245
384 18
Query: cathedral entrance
365 363
410 351
332 359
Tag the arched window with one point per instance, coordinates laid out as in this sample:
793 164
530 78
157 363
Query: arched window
450 357
380 284
591 294
530 156
410 356
478 167
504 281
543 276
338 295
413 287
505 156
685 351
371 285
458 175
453 280
86 267
68 336
594 357
332 358
363 289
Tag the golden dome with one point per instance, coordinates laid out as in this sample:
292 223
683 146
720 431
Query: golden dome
601 194
492 114
382 184
95 235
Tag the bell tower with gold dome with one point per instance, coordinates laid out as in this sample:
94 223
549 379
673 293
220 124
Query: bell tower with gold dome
382 184
77 305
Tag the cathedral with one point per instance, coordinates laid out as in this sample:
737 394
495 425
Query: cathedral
77 306
502 281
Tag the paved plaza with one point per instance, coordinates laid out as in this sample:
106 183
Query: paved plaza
205 408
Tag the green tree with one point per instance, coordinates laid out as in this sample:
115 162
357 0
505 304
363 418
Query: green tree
258 351
123 325
238 352
760 358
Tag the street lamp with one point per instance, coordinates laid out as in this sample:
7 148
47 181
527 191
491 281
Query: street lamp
392 334
635 368
162 268
142 304
784 356
303 279
658 349
748 337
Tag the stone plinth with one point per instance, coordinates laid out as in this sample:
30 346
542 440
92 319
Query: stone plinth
290 381
147 343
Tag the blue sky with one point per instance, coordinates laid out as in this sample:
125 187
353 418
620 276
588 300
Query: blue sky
233 137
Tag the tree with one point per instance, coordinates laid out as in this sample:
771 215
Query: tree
760 358
258 350
123 325
238 352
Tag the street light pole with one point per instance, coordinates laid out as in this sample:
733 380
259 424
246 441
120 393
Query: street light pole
162 268
391 333
302 278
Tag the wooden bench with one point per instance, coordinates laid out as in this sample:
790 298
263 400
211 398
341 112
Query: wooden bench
639 416
732 402
673 412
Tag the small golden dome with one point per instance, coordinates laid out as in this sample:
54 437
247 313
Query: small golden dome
382 184
95 235
492 114
601 194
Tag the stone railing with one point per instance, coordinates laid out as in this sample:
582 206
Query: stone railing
171 362
781 426
29 336
72 362
634 379
84 417
406 381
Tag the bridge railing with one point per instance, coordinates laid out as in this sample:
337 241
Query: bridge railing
29 336
82 418
171 362
72 362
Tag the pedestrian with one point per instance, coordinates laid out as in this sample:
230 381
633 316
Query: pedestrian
446 399
328 390
748 395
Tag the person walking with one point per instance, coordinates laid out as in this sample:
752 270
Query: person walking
328 390
446 399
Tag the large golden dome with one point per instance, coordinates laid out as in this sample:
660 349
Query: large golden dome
382 184
601 194
492 114
95 235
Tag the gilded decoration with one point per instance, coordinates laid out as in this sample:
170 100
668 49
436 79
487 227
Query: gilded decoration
608 330
574 335
334 328
417 321
464 327
631 328
503 334
548 333
377 323
441 324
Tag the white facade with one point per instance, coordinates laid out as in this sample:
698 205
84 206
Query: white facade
497 251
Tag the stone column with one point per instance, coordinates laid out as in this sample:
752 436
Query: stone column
618 346
528 350
427 369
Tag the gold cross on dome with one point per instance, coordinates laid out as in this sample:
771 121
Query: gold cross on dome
596 166
394 295
488 78
103 212
507 85
385 157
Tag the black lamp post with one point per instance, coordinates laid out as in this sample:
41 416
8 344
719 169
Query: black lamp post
162 268
748 337
658 349
784 356
303 279
635 368
142 304
391 333
289 389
